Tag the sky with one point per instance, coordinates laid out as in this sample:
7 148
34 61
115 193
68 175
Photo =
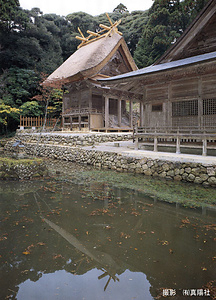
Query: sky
92 7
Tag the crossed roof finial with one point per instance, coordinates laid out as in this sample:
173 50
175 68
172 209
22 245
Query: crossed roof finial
106 30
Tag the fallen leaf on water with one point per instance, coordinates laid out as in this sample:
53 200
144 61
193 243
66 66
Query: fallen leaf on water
26 252
57 256
135 213
210 227
41 244
141 232
164 243
185 221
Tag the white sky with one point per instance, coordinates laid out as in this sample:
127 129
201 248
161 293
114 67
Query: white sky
92 7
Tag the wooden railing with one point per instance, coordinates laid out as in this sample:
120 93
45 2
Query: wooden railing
82 111
29 122
172 137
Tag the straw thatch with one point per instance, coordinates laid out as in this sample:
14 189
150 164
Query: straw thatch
88 60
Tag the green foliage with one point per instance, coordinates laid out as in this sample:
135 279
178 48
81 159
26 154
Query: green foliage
18 86
8 116
167 20
121 8
132 26
191 8
55 103
7 12
33 45
31 109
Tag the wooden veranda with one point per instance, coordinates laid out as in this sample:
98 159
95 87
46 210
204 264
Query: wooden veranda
188 137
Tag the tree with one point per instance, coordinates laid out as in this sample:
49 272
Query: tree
7 12
8 116
163 28
132 26
50 95
190 9
31 109
167 20
18 86
121 8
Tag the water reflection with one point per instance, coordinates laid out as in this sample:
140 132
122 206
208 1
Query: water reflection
67 241
64 285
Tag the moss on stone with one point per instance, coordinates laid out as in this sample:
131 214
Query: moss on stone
16 169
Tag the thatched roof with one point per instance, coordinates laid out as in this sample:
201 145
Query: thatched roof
88 60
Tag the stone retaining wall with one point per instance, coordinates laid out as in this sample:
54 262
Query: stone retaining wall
73 139
188 172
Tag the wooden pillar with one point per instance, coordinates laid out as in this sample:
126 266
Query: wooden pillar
168 114
63 122
90 109
119 112
155 144
136 145
90 100
79 122
204 150
201 124
178 150
141 114
106 112
131 113
79 109
71 123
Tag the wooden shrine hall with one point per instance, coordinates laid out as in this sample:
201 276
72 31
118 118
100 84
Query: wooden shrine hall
88 104
179 90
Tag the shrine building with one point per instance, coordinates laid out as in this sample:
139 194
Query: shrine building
87 104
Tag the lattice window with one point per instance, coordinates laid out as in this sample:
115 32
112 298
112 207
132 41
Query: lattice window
157 107
209 106
185 108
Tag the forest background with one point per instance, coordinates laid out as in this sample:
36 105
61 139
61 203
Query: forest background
33 45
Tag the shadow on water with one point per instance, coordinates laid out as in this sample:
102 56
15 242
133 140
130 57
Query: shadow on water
63 240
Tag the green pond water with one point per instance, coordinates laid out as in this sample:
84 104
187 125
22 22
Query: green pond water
87 234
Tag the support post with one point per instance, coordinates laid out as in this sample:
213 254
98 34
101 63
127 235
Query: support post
141 114
119 112
90 109
136 145
155 144
71 123
204 150
106 112
131 113
79 122
178 142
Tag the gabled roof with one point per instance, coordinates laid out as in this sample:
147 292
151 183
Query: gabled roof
88 60
190 33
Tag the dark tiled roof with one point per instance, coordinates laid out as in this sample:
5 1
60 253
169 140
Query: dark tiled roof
165 66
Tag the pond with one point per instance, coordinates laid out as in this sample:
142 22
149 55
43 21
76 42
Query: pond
61 239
